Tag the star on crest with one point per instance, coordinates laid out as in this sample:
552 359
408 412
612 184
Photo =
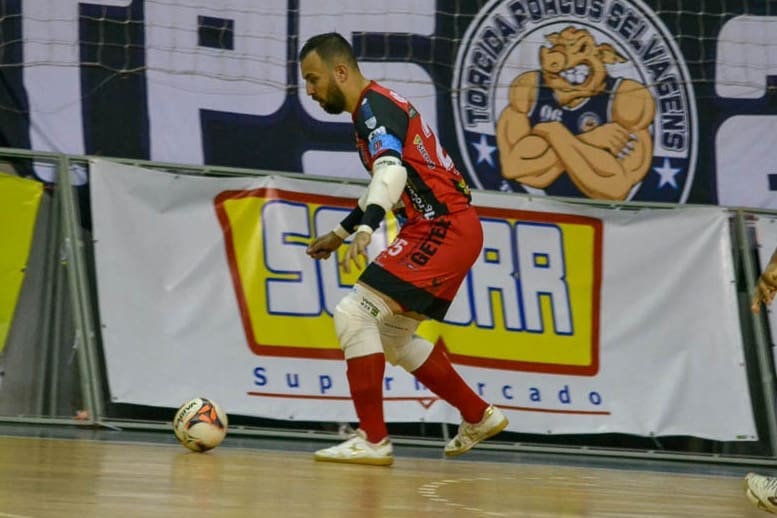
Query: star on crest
667 174
485 150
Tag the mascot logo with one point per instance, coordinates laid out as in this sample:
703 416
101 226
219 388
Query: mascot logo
581 98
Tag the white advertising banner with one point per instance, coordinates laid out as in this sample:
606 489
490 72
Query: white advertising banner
574 320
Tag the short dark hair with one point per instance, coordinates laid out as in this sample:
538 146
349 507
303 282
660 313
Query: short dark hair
329 46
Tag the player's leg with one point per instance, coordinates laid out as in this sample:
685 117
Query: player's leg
428 288
431 366
357 319
401 345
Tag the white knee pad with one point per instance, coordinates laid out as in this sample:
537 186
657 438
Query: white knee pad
401 346
357 320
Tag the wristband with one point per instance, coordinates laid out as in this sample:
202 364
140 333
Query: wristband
350 222
340 232
364 228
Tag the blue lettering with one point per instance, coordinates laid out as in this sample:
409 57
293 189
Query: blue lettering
292 380
260 379
564 396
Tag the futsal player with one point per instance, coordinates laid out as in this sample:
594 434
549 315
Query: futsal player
762 489
417 276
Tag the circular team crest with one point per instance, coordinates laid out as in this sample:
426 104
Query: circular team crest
585 98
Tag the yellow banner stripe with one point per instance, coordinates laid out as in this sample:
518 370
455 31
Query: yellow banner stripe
19 202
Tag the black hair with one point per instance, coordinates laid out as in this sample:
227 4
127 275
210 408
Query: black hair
329 46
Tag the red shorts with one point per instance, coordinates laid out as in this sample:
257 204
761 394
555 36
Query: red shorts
424 266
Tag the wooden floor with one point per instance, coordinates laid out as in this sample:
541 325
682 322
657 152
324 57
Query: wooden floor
49 477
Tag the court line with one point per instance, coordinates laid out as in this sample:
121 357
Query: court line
429 490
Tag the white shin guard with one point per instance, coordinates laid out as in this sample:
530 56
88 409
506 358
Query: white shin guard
358 318
401 346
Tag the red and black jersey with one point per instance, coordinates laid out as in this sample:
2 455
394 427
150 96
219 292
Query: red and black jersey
388 125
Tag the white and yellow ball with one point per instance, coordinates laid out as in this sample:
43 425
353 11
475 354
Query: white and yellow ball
200 424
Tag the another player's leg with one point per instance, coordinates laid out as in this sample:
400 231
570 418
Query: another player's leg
357 318
479 419
762 491
431 366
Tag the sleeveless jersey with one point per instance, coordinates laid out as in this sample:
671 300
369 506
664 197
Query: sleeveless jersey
386 124
593 112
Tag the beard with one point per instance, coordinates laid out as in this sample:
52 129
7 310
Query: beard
335 102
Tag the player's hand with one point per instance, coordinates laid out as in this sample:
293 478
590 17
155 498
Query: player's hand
766 288
357 249
323 246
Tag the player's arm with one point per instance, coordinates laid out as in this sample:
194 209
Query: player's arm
386 186
766 287
383 124
388 181
323 246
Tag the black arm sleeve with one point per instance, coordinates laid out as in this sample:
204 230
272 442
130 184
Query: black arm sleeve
373 216
353 220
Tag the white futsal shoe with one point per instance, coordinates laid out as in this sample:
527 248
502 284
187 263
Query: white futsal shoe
471 434
358 450
762 491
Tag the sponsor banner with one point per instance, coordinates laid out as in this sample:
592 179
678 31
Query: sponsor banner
19 201
574 319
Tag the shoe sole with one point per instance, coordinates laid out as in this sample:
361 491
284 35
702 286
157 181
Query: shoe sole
757 502
495 430
385 461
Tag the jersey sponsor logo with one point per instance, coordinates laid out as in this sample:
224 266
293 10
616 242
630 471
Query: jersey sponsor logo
419 203
383 142
431 244
365 111
380 130
606 72
419 145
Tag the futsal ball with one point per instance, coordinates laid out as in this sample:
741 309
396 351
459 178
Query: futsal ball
200 424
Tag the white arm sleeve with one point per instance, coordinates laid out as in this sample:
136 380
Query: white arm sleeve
388 181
